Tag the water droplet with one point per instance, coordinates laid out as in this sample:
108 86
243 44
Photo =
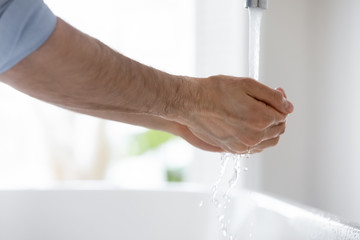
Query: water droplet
237 163
217 203
201 203
234 178
245 169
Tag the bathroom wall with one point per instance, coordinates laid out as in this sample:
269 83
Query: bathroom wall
285 62
312 49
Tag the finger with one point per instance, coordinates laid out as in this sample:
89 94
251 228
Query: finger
252 151
269 96
238 147
266 144
211 140
216 142
196 142
274 131
282 91
261 116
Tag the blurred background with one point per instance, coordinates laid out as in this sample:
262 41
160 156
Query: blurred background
308 47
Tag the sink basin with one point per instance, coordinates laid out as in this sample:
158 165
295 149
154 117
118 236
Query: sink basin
172 212
259 216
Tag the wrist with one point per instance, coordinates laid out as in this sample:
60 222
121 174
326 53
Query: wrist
182 99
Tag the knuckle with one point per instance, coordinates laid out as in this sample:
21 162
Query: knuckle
247 83
277 96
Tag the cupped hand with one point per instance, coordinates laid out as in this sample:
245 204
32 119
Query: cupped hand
236 115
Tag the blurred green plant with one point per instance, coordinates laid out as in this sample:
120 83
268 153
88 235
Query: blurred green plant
149 140
175 175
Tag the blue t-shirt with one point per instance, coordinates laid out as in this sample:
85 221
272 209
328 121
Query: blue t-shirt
25 25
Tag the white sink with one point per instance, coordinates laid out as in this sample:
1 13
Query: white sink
162 214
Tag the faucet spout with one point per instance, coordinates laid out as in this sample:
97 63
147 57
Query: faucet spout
256 4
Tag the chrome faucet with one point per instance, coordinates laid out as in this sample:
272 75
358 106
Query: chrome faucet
256 4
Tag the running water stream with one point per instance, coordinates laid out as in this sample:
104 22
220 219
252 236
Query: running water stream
255 16
221 196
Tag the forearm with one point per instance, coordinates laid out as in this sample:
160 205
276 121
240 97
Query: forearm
220 113
78 72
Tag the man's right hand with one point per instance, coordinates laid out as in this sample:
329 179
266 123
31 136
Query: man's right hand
236 115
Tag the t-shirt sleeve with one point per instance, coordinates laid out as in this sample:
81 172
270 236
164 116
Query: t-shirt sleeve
25 25
3 5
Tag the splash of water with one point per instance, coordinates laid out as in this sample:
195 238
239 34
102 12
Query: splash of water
221 196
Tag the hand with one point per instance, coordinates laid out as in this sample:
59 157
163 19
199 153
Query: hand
236 115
